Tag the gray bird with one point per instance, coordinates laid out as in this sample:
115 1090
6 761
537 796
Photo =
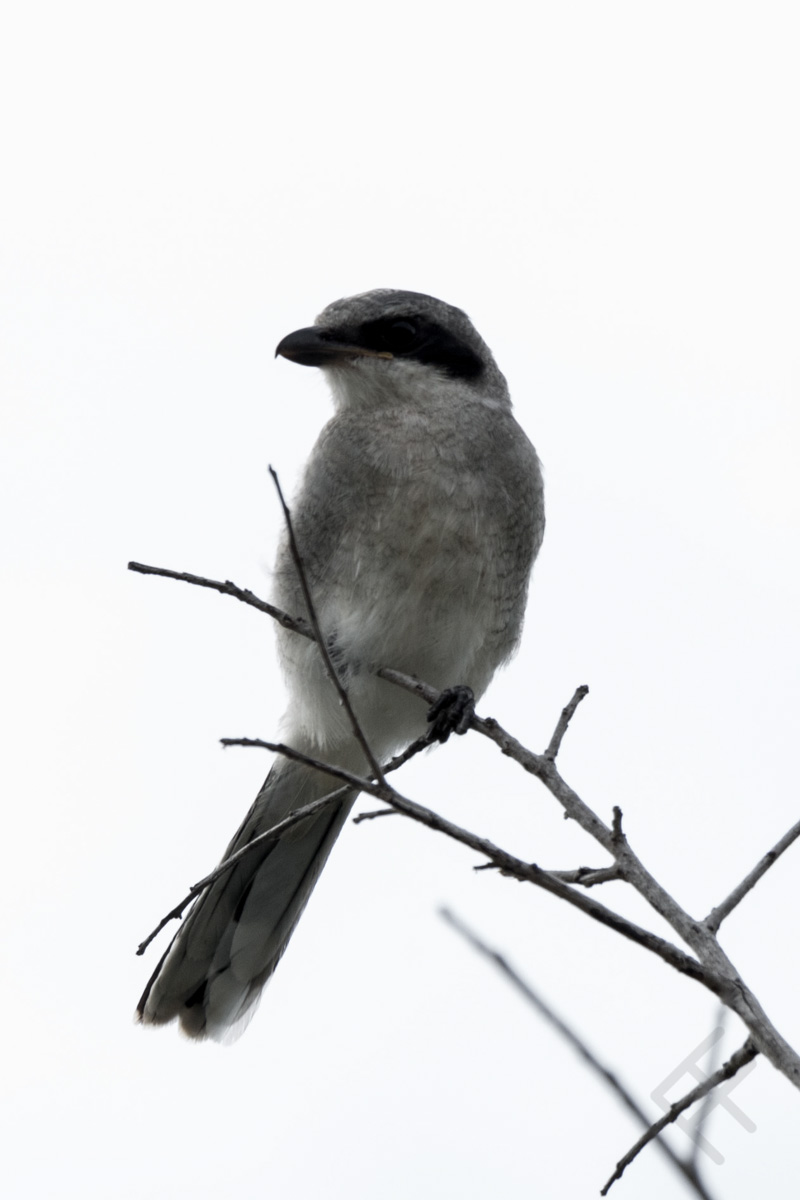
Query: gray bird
418 520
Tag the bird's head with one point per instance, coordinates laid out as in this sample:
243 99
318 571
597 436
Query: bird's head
387 346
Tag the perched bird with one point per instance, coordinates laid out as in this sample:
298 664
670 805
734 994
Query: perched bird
418 520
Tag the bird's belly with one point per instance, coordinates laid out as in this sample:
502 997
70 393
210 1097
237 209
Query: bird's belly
416 583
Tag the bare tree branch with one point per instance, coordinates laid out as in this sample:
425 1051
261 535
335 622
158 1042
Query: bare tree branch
687 1169
294 818
501 858
718 914
417 687
720 974
295 624
712 966
741 1058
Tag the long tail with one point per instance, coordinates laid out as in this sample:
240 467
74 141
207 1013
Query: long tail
211 976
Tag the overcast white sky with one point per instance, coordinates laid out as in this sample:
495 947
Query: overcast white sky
612 192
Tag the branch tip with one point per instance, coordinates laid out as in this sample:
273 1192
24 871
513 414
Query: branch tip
740 1059
572 1038
567 714
718 914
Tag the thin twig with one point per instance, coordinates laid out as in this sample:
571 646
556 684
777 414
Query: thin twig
563 722
506 862
687 1170
411 751
378 812
294 624
172 915
714 1064
741 1058
718 914
293 818
360 736
297 625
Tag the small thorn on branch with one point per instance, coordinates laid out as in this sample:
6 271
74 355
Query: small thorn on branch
378 812
492 866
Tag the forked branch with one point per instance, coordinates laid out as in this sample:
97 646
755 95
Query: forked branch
708 964
686 1167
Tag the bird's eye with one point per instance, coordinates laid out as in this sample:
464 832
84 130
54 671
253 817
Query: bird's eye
399 336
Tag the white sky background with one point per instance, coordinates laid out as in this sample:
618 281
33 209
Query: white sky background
611 191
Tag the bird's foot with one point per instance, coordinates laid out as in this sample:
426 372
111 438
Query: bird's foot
451 713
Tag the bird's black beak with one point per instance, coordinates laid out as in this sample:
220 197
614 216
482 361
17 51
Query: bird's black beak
314 347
